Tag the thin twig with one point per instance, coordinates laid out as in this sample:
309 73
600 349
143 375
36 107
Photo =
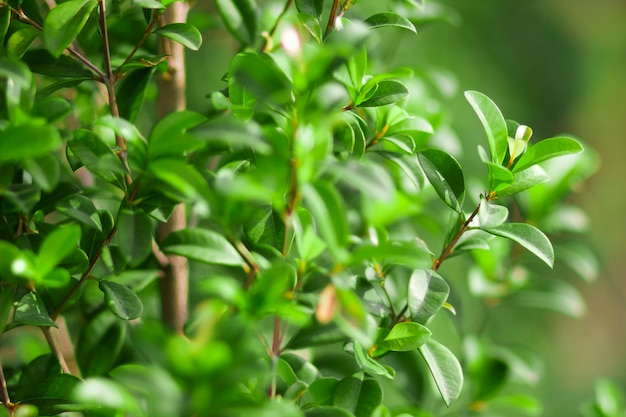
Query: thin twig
145 36
55 349
4 392
332 17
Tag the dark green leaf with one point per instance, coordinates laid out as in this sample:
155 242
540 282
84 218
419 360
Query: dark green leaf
45 171
169 131
405 336
428 291
445 175
121 300
52 108
41 62
100 343
390 19
320 392
131 92
6 300
445 370
134 235
529 237
312 7
202 245
37 376
81 208
5 20
97 157
547 149
64 23
493 123
54 87
241 19
412 253
28 141
358 395
328 411
387 92
183 33
31 312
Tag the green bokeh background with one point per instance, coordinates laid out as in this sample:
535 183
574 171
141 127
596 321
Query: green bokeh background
558 66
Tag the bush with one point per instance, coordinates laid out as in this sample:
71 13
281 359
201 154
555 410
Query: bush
283 253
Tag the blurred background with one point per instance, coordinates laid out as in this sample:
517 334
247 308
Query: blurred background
558 66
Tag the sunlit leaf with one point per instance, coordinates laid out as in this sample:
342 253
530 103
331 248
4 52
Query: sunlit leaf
202 245
390 19
183 33
529 237
358 394
64 23
493 123
445 370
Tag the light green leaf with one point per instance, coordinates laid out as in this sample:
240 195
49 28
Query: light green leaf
445 175
149 4
123 302
428 291
529 237
320 392
445 370
405 337
370 365
390 19
260 76
241 18
523 180
358 395
491 215
387 92
547 149
56 246
91 392
28 141
64 22
202 245
493 123
19 41
183 33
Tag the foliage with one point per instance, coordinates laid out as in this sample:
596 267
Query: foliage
322 206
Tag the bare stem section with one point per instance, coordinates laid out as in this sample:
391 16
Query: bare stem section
174 284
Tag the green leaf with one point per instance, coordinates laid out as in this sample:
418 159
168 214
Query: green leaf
547 149
445 175
42 140
81 208
405 337
169 131
320 392
312 7
529 237
202 245
5 20
134 235
358 394
64 22
183 33
52 108
97 157
559 296
149 4
45 170
56 246
445 370
6 301
30 311
326 206
241 18
123 302
131 92
412 253
19 41
327 411
260 76
523 180
41 62
491 215
493 123
387 92
100 343
428 291
90 392
370 365
390 19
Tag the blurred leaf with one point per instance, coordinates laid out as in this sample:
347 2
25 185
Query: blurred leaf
529 237
493 123
580 258
56 246
445 175
183 33
427 292
445 370
19 41
6 300
405 336
64 22
81 208
412 253
5 20
121 300
45 171
149 4
240 17
558 296
387 92
202 245
328 411
100 343
260 76
320 392
370 365
547 149
358 395
40 61
42 140
390 19
168 132
52 108
90 393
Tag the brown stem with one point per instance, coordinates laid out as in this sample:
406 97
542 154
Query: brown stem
174 284
54 346
4 392
145 36
331 18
